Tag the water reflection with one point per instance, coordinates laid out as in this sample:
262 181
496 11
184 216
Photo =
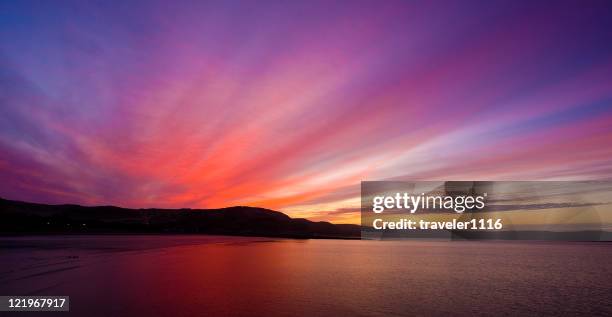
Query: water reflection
228 276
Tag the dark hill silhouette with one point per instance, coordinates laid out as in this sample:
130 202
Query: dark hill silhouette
21 217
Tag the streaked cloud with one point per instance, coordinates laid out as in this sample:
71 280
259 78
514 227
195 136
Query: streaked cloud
290 105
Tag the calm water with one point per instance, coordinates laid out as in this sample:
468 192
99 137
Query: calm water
229 276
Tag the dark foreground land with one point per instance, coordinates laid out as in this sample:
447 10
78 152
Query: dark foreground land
29 218
23 218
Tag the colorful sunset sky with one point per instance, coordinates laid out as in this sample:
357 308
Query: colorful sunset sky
288 105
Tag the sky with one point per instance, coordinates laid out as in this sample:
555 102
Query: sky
288 105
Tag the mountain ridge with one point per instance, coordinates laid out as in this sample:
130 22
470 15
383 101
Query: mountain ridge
19 217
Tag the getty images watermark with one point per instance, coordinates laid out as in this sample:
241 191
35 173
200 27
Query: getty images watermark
487 210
